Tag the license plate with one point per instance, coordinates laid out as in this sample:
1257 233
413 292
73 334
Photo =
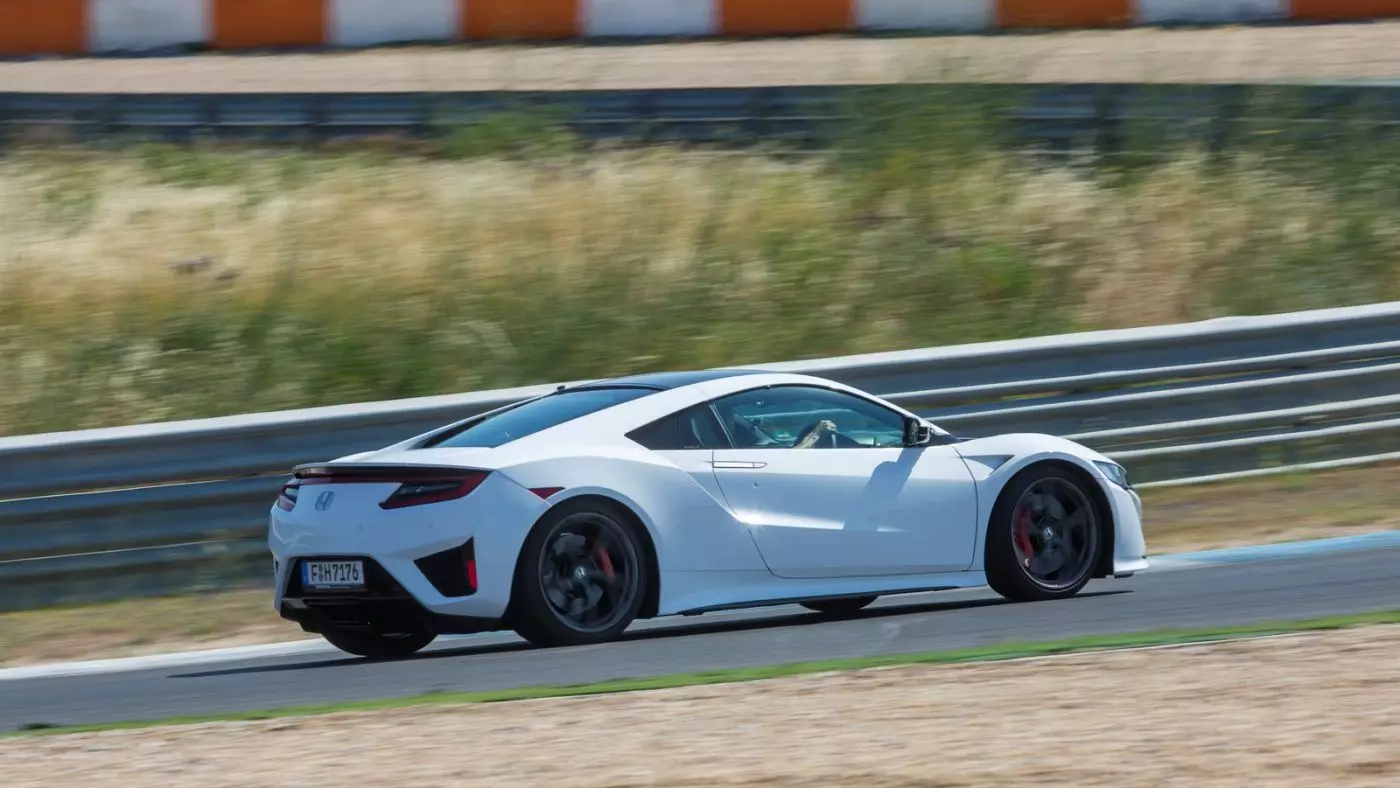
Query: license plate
333 574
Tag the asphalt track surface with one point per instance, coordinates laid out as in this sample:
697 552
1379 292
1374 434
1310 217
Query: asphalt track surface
1210 596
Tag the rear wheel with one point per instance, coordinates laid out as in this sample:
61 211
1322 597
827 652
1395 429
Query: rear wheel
840 607
581 577
378 646
1044 536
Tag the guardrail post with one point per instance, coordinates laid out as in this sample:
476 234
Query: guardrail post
760 106
211 113
1108 111
422 115
1233 100
6 110
644 107
316 107
105 116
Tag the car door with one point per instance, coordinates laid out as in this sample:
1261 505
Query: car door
688 439
853 501
697 525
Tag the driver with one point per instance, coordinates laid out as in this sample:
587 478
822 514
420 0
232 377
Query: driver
815 433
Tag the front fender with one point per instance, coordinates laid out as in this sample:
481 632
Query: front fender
995 460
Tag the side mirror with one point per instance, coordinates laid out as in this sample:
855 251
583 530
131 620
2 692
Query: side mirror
916 433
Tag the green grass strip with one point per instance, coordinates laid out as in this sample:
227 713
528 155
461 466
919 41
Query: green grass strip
993 653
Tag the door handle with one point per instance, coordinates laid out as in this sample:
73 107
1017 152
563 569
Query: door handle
736 465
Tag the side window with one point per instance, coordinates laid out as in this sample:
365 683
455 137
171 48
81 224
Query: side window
699 429
788 417
695 428
660 435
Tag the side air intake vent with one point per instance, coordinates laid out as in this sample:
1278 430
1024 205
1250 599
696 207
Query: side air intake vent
452 572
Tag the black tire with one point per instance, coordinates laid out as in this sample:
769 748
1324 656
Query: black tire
562 562
1053 530
378 646
840 607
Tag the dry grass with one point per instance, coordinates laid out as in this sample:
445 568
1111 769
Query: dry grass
1304 710
1337 503
142 626
1272 509
348 277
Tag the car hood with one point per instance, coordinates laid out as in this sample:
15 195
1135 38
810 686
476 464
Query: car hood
1024 443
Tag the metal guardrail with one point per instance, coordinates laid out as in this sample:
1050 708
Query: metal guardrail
1052 117
181 506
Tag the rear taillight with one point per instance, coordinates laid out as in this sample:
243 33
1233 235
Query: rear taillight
434 490
287 498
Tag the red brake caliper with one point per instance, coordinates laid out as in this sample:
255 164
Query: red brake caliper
605 563
1021 532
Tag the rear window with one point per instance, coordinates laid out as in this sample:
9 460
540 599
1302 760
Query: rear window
536 415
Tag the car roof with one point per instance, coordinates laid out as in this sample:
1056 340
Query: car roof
664 381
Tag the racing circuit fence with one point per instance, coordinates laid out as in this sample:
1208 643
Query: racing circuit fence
181 506
1105 118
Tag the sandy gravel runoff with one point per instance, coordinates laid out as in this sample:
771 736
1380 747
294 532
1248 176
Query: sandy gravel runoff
1309 710
1224 54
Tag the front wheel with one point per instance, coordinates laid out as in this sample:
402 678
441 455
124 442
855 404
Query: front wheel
581 577
1044 537
839 607
378 646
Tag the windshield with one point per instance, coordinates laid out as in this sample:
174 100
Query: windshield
536 415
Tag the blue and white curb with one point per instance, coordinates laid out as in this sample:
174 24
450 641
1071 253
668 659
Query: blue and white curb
1273 552
1158 563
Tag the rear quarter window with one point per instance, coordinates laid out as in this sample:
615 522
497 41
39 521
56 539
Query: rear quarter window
693 428
535 416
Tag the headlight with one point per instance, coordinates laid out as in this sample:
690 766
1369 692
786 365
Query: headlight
1115 474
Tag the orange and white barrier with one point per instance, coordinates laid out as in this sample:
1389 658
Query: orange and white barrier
74 26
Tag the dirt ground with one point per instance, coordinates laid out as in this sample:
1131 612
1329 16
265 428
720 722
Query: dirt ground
1307 710
1221 54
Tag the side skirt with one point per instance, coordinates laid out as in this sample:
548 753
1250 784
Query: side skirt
799 599
691 593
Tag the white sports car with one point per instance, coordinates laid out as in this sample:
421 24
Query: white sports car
568 516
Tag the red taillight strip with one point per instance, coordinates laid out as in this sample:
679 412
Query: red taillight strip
463 487
463 482
380 479
445 484
286 497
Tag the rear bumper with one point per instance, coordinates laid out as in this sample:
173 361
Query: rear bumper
384 606
411 552
379 615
